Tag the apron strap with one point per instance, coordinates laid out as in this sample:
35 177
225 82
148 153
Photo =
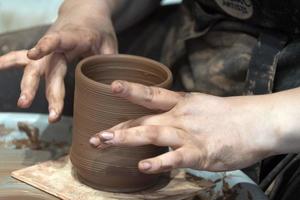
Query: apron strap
261 75
263 64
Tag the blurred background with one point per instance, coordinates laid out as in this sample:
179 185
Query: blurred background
19 14
17 17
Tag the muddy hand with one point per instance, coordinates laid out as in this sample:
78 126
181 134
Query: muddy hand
83 28
52 67
205 132
75 41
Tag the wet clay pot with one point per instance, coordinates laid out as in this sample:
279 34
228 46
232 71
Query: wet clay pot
96 109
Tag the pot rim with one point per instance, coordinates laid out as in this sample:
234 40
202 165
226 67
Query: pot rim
165 84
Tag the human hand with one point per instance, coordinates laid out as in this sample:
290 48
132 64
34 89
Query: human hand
83 32
204 132
77 37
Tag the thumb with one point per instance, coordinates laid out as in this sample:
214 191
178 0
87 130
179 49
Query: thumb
150 97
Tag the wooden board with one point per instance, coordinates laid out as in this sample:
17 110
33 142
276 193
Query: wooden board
58 179
11 160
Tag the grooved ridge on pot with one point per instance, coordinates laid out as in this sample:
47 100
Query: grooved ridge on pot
96 109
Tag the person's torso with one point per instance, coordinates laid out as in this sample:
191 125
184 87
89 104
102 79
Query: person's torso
278 14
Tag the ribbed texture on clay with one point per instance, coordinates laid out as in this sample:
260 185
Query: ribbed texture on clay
96 109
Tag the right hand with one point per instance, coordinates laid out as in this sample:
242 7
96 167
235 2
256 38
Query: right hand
73 35
204 132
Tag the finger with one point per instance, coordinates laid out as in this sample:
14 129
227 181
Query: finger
139 136
14 59
149 97
166 162
45 46
164 119
53 42
29 84
55 88
109 46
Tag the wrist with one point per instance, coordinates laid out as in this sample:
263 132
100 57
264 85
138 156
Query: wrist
265 132
255 113
286 117
93 15
78 10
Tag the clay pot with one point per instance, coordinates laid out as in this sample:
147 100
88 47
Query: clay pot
96 109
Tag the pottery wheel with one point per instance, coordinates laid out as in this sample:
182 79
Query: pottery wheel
56 178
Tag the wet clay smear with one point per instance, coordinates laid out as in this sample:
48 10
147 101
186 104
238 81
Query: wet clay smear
31 141
32 134
5 131
200 182
96 109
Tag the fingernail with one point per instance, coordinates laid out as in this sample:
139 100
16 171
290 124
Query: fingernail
145 165
22 97
52 114
106 136
119 87
34 50
95 141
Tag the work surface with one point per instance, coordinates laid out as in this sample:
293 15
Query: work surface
15 152
54 142
58 178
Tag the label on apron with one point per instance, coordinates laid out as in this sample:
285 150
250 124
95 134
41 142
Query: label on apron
242 9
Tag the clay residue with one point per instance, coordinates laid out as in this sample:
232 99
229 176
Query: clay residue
33 140
21 144
203 183
5 131
32 134
227 193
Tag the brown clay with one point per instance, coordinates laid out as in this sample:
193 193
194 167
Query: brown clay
96 109
32 134
23 195
4 130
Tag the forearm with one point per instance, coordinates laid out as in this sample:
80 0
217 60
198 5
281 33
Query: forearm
274 120
124 13
86 11
286 117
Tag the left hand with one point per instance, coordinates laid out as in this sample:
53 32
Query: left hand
205 132
83 28
52 67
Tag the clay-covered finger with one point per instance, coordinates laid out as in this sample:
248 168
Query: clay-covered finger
149 97
53 42
55 87
109 45
141 135
14 59
151 120
45 46
29 84
165 162
164 119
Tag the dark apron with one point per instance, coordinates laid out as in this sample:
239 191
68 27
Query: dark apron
273 65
